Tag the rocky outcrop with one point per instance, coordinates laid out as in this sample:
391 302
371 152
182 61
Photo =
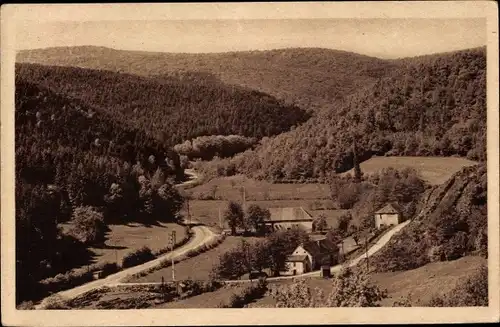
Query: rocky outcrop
451 223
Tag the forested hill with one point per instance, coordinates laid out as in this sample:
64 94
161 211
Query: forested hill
312 78
432 106
75 163
168 108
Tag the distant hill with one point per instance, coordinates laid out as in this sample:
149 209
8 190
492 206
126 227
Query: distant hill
169 108
432 106
312 78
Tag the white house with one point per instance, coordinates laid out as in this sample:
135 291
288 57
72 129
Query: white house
311 255
388 215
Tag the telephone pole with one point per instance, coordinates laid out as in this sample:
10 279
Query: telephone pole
367 260
172 242
220 220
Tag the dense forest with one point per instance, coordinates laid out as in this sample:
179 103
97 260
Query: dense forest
312 78
170 109
432 106
75 164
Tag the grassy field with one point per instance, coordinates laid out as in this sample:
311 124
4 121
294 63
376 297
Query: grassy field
205 300
122 239
422 283
196 268
230 188
434 170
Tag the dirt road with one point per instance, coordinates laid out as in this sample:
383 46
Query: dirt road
202 234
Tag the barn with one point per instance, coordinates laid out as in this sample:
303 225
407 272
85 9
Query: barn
287 218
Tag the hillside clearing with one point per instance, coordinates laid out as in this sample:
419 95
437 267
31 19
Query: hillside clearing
205 300
422 283
433 170
122 239
230 188
196 268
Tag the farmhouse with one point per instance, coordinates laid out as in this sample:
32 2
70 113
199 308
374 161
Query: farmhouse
389 215
286 218
311 256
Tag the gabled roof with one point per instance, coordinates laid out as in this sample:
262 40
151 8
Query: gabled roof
319 247
297 258
390 208
289 214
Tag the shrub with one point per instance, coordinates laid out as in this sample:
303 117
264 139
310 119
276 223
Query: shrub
55 302
248 295
137 257
471 291
109 268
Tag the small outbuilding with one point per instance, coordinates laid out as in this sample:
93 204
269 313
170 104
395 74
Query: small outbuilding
389 215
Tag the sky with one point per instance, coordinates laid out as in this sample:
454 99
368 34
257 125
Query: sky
383 38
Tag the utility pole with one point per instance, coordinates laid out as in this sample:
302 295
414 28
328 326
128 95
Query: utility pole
366 247
220 220
172 242
244 197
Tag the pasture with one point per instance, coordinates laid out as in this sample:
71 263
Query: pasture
195 268
433 170
421 283
205 300
122 239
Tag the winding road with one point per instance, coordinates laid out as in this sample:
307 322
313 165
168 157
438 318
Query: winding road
202 235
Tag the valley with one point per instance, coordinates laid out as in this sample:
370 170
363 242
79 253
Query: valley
278 171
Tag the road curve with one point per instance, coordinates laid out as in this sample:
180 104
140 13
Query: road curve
371 251
202 235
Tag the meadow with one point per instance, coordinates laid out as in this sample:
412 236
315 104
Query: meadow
122 239
433 170
419 284
195 268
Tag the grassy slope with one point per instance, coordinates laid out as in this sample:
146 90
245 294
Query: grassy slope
122 239
134 236
205 300
422 283
433 170
196 268
229 188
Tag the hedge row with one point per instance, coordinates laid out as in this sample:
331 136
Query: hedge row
249 294
77 277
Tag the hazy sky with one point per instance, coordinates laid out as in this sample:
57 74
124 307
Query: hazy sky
385 38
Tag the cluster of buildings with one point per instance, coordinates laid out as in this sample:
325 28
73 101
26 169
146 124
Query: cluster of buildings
321 252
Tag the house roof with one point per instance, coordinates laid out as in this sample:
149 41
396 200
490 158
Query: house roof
390 208
319 247
289 214
297 258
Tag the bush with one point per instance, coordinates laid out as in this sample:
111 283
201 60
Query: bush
109 268
137 257
471 291
248 295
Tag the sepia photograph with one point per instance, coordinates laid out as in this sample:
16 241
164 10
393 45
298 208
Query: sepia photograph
268 157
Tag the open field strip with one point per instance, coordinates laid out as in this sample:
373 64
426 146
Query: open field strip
433 170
